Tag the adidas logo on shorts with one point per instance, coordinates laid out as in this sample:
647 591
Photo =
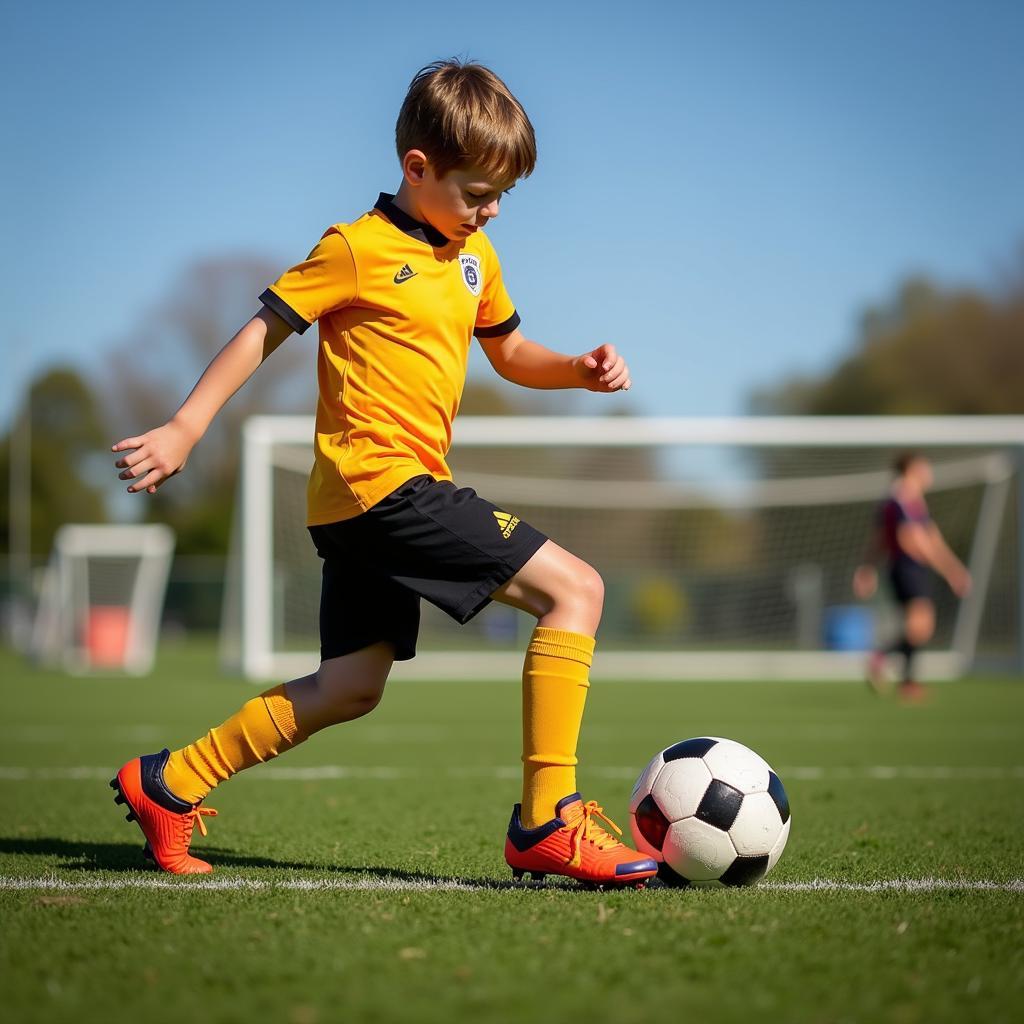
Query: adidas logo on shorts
506 523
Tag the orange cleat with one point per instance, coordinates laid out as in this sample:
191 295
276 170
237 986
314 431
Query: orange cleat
166 821
573 844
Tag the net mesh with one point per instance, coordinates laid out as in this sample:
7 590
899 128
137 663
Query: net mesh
702 548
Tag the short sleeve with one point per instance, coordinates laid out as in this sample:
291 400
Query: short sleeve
496 315
324 281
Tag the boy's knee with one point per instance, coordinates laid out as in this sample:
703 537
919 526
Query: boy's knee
582 596
590 587
343 697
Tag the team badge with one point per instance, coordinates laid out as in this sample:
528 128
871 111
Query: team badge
471 274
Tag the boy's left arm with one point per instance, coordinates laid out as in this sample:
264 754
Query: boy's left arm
522 361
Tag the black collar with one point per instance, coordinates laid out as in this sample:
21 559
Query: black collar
412 227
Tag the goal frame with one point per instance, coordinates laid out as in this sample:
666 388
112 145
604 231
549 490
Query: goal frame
55 639
259 662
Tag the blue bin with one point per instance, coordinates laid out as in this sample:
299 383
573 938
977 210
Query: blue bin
848 627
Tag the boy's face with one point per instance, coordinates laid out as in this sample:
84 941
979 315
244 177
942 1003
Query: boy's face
460 203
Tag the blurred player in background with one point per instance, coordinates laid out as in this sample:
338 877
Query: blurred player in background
911 545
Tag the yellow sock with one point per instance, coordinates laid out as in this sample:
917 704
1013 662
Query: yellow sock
261 729
555 684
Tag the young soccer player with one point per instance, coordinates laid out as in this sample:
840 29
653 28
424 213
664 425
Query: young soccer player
398 295
911 544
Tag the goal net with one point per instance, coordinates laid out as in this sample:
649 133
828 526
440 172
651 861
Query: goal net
727 546
101 598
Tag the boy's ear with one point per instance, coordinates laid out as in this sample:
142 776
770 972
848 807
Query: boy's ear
414 167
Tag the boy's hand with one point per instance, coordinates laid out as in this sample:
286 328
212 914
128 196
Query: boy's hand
157 455
603 370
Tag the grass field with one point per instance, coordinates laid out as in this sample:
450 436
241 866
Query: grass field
360 878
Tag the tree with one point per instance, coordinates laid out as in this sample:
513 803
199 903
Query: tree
153 370
67 433
925 351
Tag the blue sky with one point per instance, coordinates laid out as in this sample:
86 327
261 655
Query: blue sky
721 186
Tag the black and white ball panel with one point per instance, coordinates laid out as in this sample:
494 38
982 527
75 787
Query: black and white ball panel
757 826
778 795
745 871
649 827
712 811
645 783
780 845
679 793
697 747
697 850
738 765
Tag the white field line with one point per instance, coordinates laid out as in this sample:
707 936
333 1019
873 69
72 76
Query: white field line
313 773
10 883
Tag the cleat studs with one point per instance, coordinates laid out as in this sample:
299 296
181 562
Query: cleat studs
113 784
538 876
130 816
517 874
119 799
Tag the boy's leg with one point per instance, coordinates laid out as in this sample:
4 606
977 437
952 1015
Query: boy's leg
567 596
163 791
553 829
279 719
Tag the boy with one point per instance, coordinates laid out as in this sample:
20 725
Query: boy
398 294
911 543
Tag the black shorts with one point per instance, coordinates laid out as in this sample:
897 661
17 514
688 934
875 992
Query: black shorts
909 580
428 539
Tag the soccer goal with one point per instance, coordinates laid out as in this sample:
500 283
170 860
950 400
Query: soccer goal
727 545
101 598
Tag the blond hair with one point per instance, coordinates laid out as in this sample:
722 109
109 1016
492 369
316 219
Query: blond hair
460 113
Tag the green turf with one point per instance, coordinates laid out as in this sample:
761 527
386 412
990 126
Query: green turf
433 775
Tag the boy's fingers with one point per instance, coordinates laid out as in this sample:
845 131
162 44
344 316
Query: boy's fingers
148 483
131 471
128 442
614 369
132 459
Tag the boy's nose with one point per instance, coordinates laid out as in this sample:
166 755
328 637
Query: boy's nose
490 211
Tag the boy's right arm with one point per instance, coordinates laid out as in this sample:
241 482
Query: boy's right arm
162 452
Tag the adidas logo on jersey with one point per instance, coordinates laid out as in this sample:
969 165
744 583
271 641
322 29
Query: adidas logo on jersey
506 523
404 274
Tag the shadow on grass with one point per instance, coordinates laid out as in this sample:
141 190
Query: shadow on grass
83 855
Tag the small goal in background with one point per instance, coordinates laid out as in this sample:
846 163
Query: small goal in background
101 598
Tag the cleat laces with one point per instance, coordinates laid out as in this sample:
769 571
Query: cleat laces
585 829
195 817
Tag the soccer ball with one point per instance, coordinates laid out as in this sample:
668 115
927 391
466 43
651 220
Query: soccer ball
711 812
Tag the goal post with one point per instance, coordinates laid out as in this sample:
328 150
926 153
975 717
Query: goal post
726 544
101 598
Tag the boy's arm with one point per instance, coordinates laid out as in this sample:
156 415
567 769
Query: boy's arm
526 362
160 453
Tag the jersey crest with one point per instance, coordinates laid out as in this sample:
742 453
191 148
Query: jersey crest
471 274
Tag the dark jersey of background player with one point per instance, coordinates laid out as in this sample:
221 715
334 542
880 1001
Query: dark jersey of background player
908 576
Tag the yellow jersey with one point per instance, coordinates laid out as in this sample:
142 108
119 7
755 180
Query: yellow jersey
398 305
